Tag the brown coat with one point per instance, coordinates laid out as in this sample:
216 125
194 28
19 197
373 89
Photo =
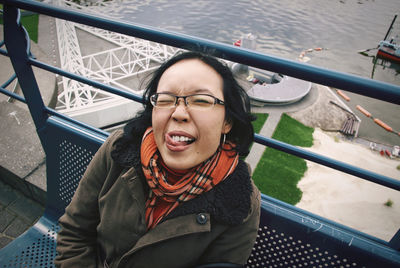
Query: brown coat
105 221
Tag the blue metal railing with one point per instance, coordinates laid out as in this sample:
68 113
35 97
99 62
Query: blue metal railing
364 86
356 84
22 64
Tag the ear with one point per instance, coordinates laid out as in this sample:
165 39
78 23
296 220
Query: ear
227 126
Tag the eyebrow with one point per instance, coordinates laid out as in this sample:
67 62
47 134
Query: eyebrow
196 91
203 90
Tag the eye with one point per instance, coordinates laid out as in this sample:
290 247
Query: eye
164 100
201 100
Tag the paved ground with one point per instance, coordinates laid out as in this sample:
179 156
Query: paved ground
17 213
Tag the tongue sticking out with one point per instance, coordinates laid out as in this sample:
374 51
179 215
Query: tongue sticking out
178 142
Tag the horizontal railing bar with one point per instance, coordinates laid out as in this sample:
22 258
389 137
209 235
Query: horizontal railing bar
273 203
9 81
69 119
50 111
364 86
329 162
3 52
370 176
85 80
12 95
231 53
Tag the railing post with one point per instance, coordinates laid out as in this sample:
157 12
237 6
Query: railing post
18 47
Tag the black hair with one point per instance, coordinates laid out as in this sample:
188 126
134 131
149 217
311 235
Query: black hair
237 106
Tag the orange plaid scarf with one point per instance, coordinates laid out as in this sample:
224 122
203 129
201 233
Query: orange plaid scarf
164 196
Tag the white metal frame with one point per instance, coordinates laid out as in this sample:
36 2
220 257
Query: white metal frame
129 57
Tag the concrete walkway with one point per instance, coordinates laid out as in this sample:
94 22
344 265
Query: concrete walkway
267 130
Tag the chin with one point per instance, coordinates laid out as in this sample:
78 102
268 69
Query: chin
179 164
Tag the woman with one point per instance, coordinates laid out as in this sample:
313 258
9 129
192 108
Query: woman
170 190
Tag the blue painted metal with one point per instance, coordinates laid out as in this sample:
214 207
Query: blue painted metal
12 95
362 173
9 81
350 247
73 121
329 162
18 44
367 87
3 52
239 54
60 134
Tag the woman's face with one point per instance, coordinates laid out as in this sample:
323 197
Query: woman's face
186 137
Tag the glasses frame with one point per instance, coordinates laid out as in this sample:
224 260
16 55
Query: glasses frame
154 97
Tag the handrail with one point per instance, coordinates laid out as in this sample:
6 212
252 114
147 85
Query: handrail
364 86
329 162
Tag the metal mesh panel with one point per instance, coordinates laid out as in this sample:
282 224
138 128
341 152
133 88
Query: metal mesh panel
73 163
275 249
40 253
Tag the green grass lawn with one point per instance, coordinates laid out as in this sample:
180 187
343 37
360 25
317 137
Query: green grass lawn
259 122
30 22
278 173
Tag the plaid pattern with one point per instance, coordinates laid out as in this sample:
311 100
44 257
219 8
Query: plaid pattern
194 182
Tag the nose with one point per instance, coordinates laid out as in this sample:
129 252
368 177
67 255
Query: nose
180 113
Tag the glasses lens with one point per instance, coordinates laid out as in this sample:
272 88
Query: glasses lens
200 101
163 100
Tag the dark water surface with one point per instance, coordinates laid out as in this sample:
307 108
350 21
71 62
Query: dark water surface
285 28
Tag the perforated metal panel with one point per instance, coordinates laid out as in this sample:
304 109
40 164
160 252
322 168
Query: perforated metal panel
39 253
73 163
276 249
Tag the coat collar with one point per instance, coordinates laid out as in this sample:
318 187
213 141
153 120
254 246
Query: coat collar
229 202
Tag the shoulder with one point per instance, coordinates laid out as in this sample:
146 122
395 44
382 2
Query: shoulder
109 143
240 195
255 203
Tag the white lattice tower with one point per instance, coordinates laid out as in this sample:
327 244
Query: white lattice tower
129 57
72 94
153 51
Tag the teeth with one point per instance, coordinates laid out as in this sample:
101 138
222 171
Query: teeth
181 139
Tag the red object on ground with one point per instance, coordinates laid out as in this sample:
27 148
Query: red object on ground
382 124
344 96
365 112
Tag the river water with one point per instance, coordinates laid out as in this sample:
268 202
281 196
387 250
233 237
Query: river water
285 28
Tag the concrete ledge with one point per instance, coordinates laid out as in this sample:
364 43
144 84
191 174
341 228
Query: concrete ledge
22 159
21 153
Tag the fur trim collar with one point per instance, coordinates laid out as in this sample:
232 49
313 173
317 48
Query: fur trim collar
229 202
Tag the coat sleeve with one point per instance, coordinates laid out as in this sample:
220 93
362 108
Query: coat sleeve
236 243
76 241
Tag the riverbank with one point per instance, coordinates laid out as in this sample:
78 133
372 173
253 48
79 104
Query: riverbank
346 199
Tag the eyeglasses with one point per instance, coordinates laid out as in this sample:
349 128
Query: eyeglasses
195 101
